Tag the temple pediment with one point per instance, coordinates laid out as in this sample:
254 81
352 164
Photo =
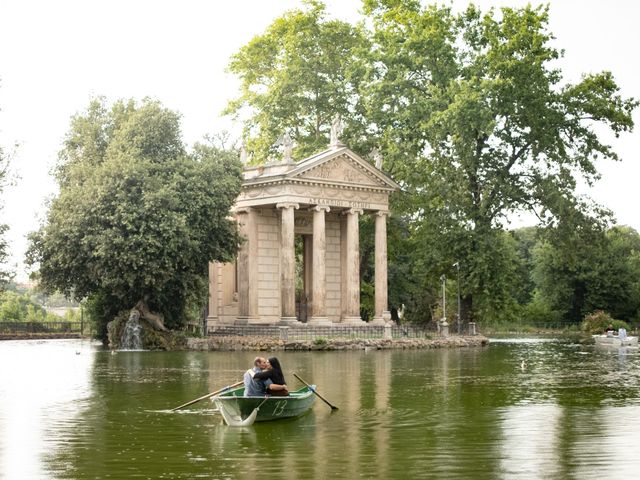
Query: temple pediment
341 166
342 170
336 177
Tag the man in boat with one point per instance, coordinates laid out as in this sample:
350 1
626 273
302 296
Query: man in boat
609 331
273 372
254 387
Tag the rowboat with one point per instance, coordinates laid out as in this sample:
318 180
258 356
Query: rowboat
238 410
615 341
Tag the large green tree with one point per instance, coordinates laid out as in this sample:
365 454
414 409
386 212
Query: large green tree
474 117
137 217
295 77
479 124
580 268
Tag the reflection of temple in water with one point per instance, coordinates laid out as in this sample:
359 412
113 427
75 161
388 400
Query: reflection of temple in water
300 258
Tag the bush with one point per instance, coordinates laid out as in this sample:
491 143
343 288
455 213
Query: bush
598 321
539 313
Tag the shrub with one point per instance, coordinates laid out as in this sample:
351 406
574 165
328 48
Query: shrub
598 321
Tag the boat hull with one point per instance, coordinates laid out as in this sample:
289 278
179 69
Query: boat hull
235 405
613 341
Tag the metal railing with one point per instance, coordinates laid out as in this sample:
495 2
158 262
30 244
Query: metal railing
311 332
17 328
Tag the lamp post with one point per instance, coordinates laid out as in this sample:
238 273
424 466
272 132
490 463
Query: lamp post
457 265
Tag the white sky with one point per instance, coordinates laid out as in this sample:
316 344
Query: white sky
56 55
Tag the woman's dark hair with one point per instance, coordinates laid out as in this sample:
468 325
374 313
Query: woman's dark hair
278 376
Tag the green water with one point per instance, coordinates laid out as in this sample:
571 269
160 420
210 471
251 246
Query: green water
69 409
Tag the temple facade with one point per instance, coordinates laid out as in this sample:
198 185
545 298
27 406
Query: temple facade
299 261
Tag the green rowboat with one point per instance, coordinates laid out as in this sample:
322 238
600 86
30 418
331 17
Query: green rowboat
238 410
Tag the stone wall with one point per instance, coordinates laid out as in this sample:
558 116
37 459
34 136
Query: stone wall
270 344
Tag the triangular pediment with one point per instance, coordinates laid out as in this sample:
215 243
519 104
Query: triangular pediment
341 167
341 170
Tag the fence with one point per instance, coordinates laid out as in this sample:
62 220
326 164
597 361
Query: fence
312 332
28 328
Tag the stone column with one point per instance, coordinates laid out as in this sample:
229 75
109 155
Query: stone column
319 305
248 267
287 264
214 287
353 268
243 266
381 314
307 276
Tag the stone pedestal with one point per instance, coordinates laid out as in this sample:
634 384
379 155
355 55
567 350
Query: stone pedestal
444 328
472 328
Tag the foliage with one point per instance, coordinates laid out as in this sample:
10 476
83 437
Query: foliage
598 321
582 267
295 77
6 272
137 217
539 312
477 124
475 121
16 307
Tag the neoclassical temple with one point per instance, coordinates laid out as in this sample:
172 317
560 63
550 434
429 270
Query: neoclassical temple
300 258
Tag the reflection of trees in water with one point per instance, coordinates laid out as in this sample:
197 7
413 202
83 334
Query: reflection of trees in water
401 413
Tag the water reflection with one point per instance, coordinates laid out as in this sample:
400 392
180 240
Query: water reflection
570 412
43 386
530 441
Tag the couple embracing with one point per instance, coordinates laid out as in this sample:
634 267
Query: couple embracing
265 378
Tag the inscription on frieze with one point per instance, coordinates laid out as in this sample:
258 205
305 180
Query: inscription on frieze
332 202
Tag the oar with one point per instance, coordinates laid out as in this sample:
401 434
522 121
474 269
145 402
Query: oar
333 407
207 396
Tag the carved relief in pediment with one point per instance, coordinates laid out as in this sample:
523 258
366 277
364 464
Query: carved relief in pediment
343 170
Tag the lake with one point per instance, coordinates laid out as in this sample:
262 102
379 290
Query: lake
516 409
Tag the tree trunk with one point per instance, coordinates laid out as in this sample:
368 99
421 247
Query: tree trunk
466 307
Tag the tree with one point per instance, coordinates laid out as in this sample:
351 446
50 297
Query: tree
6 273
137 217
582 269
295 77
478 124
475 121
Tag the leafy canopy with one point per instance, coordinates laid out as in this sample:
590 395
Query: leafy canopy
295 77
137 217
475 120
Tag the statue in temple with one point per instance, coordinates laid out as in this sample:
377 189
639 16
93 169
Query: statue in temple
336 131
243 154
377 158
287 143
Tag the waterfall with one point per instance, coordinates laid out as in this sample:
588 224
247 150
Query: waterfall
131 338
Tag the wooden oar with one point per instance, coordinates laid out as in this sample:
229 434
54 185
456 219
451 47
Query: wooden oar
333 407
208 395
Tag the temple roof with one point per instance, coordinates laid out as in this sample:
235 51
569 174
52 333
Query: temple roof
336 165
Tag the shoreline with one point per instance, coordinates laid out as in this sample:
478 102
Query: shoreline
250 343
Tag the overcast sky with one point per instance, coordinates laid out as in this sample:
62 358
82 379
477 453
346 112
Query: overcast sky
56 55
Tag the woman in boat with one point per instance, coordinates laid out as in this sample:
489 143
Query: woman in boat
274 373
